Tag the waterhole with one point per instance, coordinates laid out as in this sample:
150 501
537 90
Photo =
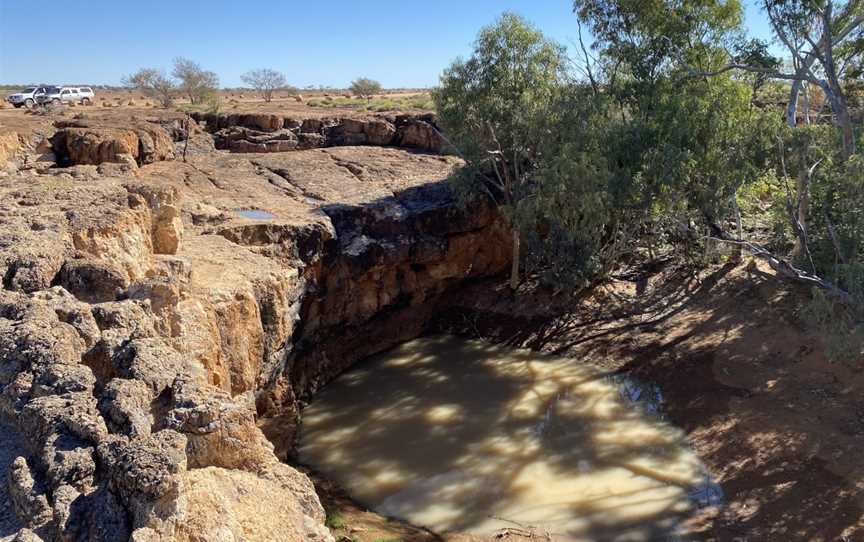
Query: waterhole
256 214
459 435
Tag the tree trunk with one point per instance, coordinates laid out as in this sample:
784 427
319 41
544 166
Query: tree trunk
739 225
803 207
846 129
792 106
843 119
514 269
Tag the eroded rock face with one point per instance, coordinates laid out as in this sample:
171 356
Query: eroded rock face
110 413
260 133
150 326
91 142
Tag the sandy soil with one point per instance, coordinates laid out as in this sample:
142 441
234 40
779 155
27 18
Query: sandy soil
123 104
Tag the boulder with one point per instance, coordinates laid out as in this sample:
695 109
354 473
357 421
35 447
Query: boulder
83 142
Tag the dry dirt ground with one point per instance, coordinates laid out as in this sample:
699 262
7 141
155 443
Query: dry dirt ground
125 103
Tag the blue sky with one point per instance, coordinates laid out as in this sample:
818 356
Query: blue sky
398 42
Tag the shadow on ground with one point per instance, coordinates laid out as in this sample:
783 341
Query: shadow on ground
779 425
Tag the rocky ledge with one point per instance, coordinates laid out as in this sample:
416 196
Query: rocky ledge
255 132
155 318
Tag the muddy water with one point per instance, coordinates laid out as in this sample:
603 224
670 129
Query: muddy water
459 435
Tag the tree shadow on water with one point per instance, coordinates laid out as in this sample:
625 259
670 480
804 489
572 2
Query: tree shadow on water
462 435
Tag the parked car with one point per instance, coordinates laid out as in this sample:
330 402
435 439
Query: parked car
58 95
27 97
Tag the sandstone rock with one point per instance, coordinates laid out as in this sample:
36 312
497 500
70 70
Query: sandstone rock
94 145
232 505
418 134
30 502
71 311
90 142
9 146
26 535
380 132
97 515
220 431
155 328
257 133
154 144
150 361
62 432
166 226
93 281
143 470
145 475
126 407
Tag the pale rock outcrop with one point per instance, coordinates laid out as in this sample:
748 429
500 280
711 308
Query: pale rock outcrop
10 144
93 142
227 505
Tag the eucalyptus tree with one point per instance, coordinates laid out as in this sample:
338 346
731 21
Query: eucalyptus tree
496 107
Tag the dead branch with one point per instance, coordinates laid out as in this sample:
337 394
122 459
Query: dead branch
781 266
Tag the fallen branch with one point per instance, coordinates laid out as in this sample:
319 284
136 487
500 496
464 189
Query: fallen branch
781 266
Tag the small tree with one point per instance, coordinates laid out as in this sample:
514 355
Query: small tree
196 82
265 81
153 83
365 87
496 107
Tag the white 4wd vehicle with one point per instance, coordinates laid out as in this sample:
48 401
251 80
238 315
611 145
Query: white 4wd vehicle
28 97
58 95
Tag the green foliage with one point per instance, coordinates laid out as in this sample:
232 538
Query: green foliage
647 39
334 520
498 107
582 174
500 98
582 209
393 102
365 87
841 326
265 81
153 83
194 81
212 102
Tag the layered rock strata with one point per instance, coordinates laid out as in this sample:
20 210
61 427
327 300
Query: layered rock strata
256 132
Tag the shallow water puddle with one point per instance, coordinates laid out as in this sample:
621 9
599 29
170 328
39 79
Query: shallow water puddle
459 435
255 214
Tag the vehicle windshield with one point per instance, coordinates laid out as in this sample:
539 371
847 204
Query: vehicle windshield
27 90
